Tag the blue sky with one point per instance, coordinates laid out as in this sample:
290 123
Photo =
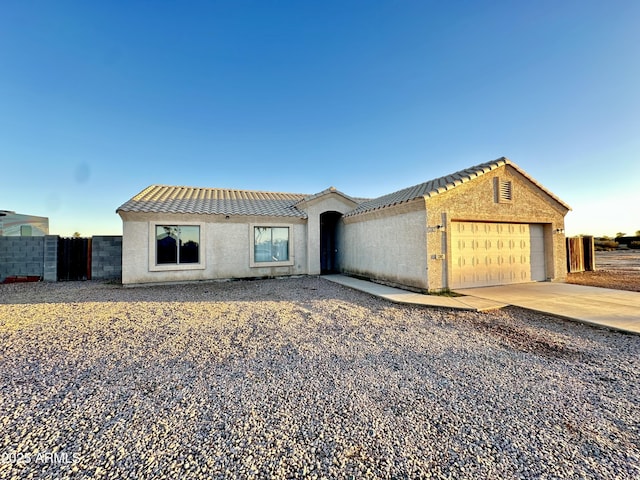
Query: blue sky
101 99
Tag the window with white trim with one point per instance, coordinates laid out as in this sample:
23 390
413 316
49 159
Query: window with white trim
271 245
177 244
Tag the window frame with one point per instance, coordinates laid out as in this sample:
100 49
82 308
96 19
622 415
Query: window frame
164 267
252 245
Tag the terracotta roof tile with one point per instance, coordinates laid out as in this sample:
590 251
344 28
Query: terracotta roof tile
440 185
332 190
168 199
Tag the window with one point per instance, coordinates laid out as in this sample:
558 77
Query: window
177 244
26 230
271 245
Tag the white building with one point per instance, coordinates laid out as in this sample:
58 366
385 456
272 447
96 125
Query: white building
14 224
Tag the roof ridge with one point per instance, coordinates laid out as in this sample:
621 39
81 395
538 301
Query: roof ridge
327 191
443 183
237 190
208 200
238 201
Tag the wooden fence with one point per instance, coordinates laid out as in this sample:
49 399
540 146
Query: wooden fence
580 254
74 259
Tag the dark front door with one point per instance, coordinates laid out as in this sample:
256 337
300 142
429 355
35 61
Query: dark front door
328 242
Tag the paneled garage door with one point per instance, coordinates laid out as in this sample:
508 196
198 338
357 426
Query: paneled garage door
486 254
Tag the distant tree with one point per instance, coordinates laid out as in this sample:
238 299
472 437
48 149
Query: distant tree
620 234
76 235
637 233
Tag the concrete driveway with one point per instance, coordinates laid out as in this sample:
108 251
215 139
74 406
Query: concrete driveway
617 309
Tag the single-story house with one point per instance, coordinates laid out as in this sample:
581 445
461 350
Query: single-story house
490 224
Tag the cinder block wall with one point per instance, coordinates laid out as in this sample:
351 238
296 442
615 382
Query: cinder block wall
50 258
21 256
38 256
106 257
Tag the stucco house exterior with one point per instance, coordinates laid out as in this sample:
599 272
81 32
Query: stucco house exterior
490 224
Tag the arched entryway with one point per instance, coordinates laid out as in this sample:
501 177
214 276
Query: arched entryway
329 260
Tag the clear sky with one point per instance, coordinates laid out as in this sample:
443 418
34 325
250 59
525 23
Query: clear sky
100 99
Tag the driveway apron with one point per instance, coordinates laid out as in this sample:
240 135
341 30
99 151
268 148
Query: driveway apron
616 309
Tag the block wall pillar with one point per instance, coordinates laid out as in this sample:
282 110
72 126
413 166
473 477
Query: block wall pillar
50 258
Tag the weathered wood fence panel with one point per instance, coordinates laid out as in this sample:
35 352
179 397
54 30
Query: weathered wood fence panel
74 259
580 254
589 248
575 255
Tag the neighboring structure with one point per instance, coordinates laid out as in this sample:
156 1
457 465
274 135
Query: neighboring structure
13 224
487 225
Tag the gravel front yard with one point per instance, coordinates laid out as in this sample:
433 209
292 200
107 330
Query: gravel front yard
618 269
304 378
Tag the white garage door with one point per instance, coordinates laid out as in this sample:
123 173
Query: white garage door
486 254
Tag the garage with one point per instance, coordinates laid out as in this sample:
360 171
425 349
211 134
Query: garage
484 254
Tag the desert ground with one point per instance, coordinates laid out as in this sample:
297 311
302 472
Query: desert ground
618 269
303 378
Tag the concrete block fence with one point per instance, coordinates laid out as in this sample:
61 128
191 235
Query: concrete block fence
106 257
50 259
21 256
38 257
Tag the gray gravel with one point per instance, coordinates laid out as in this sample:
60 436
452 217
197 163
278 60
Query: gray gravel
304 378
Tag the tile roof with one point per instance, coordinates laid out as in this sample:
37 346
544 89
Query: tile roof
167 199
332 190
442 184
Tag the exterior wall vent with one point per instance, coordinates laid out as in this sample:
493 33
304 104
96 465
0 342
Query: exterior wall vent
503 191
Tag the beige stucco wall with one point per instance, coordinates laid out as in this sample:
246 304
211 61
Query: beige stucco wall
225 247
476 201
388 245
330 202
398 245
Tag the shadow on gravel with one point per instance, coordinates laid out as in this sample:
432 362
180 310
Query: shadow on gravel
240 290
526 341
